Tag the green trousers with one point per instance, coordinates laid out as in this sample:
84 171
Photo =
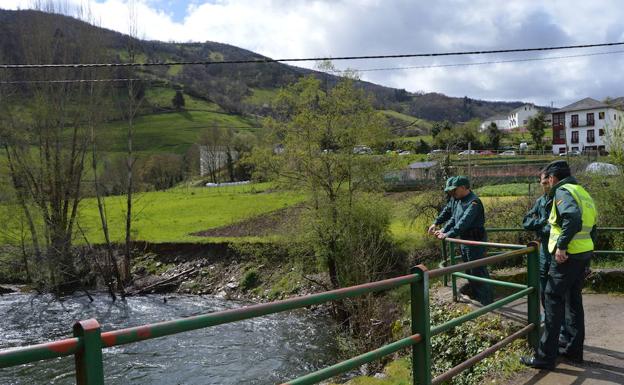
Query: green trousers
482 291
563 305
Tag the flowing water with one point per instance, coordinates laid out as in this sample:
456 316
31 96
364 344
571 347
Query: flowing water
266 350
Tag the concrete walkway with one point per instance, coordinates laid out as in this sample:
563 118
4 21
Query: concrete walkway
604 346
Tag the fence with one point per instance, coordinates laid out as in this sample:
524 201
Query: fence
88 340
449 257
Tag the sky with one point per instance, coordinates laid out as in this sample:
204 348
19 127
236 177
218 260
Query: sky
332 28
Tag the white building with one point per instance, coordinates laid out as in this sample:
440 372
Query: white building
501 121
583 125
520 116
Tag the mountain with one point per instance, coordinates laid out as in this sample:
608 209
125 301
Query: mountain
244 89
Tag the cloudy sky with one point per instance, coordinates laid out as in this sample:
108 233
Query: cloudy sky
313 28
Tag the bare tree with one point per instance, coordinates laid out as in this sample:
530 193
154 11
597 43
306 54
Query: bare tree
135 97
46 139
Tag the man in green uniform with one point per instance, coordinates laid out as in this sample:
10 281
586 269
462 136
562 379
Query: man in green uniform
465 218
573 228
536 220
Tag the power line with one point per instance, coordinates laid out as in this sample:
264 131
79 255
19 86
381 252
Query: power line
68 81
474 63
466 64
268 60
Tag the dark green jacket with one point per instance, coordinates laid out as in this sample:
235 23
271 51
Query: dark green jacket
536 219
467 220
570 218
446 212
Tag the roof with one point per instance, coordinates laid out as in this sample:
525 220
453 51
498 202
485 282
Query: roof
422 164
583 104
521 107
497 117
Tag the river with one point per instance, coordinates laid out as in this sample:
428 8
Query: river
266 350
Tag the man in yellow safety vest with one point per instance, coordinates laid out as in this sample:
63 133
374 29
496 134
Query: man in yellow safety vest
572 232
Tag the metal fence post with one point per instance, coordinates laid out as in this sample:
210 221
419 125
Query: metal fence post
421 324
453 278
89 367
445 260
533 300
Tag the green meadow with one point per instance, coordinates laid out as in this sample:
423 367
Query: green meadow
172 215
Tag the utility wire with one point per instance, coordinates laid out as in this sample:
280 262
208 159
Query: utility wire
474 63
69 81
466 64
268 60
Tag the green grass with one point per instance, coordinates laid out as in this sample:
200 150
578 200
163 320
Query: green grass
261 96
418 123
170 216
172 132
162 96
502 190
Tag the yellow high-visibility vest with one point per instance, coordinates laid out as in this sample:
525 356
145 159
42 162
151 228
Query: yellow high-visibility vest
582 241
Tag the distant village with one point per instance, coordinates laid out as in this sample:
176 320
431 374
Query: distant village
579 127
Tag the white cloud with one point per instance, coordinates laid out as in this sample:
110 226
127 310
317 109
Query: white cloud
282 28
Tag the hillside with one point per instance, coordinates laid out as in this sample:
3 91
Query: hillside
237 88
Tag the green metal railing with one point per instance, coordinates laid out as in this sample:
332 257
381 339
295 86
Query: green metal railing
449 256
88 340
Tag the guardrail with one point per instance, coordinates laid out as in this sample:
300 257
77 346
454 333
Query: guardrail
88 340
449 257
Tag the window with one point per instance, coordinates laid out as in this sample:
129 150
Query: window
614 117
574 148
601 115
574 120
590 119
601 132
561 150
558 119
575 137
590 136
561 134
524 121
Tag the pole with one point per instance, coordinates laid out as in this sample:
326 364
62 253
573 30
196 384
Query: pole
533 300
445 260
421 324
453 278
89 368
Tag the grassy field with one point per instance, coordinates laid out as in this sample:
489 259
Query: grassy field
501 190
162 96
418 123
170 216
172 132
261 96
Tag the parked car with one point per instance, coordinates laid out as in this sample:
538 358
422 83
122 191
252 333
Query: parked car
486 152
467 152
508 153
362 150
405 153
436 152
571 153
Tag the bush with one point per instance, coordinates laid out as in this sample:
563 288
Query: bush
250 279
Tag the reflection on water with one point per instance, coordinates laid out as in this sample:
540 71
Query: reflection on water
264 350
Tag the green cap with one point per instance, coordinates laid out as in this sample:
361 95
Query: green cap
557 165
455 181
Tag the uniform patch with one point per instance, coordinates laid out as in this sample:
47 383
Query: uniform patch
475 203
559 201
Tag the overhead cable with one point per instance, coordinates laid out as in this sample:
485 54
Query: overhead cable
268 60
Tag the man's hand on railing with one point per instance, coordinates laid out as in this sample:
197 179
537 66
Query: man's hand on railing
431 230
440 234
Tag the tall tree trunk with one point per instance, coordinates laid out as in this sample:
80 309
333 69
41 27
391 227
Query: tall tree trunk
109 247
